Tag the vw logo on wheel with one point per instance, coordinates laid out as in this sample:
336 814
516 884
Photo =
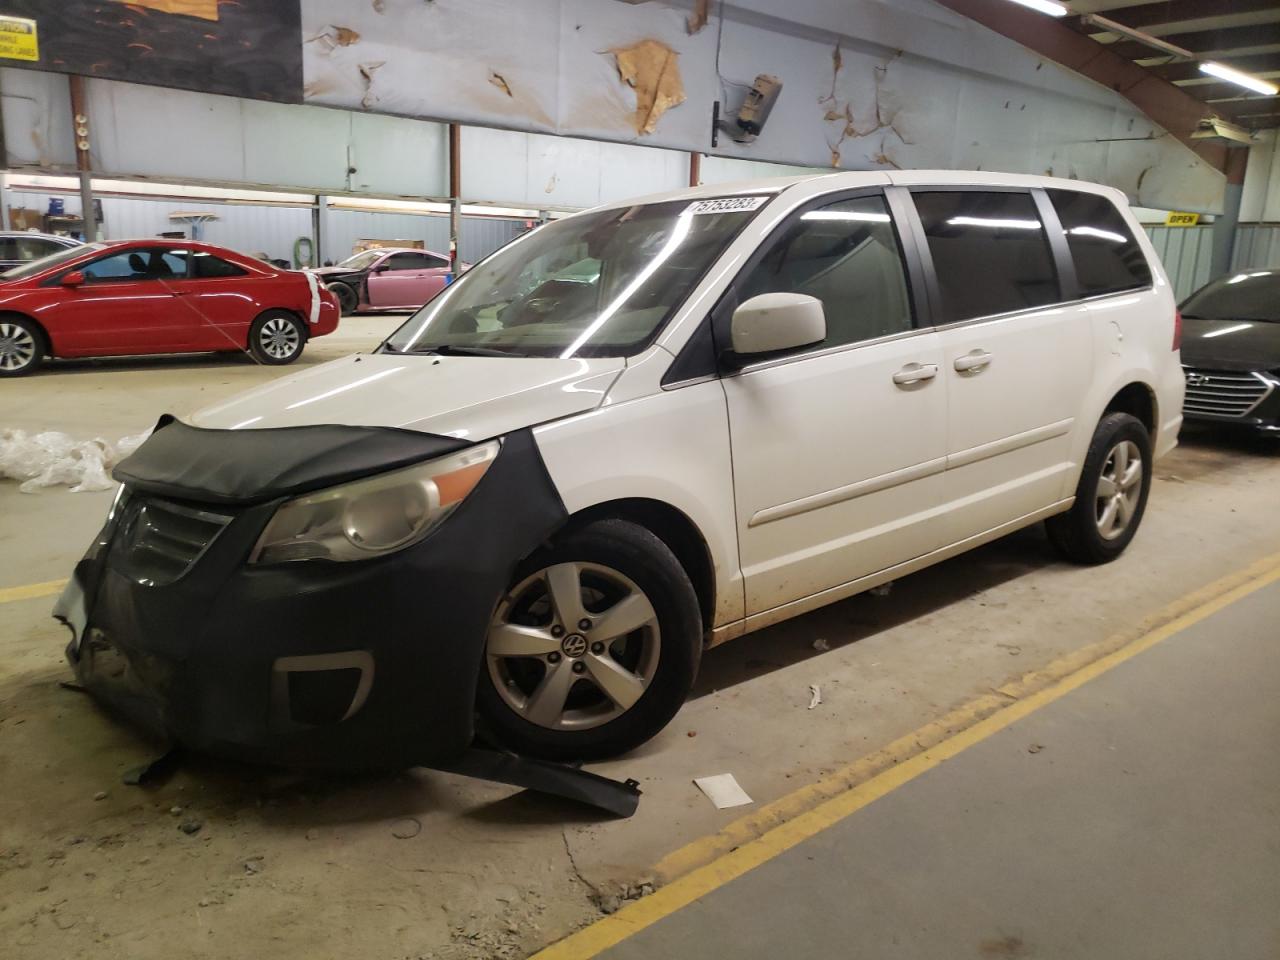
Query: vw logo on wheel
574 645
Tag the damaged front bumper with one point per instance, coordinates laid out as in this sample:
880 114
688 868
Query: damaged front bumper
365 665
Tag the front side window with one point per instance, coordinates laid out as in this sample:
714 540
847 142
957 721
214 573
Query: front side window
1107 257
847 255
990 252
592 285
407 261
33 248
148 263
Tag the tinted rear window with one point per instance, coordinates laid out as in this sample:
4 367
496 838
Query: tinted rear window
1107 257
990 252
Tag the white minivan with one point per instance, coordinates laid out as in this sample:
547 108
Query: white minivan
629 435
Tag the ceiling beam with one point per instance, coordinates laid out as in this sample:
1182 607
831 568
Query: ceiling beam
1175 11
1238 108
1202 41
1172 108
1258 63
1223 90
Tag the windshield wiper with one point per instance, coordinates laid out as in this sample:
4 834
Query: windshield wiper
453 350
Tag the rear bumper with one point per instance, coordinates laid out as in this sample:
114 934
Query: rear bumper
363 665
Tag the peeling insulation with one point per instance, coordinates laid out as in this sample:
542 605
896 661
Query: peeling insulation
499 81
651 69
698 19
204 9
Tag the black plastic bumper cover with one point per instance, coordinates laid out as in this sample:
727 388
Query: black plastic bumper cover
197 660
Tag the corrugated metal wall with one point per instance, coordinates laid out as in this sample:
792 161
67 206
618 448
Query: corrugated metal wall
480 235
1187 252
256 228
247 228
1257 245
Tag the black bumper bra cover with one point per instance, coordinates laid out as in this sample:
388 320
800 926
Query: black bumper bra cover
245 467
187 662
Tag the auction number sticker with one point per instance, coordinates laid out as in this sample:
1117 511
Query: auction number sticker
728 205
18 39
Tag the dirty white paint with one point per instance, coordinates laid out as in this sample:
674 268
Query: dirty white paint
918 85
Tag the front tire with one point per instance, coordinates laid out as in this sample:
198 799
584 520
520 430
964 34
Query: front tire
348 300
277 337
22 347
594 647
1111 496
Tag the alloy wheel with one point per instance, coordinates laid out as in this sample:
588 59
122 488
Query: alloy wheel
573 646
17 347
1119 489
279 338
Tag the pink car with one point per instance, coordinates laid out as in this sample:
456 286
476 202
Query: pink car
386 278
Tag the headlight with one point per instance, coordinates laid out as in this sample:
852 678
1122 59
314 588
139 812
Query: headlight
375 516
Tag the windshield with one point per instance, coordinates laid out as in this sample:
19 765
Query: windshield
52 260
596 284
359 261
1249 295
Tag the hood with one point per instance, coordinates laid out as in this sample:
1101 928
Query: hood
471 398
1231 344
324 272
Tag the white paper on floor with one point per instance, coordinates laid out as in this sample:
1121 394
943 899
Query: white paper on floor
50 459
723 790
815 695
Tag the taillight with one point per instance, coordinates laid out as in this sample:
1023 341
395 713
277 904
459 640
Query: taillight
1177 329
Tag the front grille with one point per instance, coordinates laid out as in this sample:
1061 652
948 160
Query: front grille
163 540
1217 393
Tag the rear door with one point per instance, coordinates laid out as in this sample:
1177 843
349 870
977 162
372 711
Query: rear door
839 449
127 304
406 279
1017 353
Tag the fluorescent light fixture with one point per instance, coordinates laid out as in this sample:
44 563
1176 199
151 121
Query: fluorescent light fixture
1045 6
994 223
845 215
1234 328
1256 84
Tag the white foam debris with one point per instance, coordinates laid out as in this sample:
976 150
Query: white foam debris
51 458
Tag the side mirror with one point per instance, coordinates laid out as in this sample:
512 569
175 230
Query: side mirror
777 321
73 279
382 268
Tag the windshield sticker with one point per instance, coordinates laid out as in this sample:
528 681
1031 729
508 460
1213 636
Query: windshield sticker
727 205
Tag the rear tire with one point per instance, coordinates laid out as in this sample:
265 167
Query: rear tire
276 338
1111 496
348 299
594 647
23 346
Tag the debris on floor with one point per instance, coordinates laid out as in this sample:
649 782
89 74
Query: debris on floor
50 459
821 645
882 590
815 695
723 790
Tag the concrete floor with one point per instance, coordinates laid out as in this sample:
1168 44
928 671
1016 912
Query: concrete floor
492 872
1137 817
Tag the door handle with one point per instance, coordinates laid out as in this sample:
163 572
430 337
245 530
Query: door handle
974 361
915 373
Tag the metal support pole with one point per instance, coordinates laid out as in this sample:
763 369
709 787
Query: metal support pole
80 123
1227 227
455 195
695 169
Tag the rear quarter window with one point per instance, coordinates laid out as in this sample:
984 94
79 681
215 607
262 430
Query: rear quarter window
1106 254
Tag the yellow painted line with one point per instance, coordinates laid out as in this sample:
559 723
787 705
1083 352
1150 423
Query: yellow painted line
789 832
31 591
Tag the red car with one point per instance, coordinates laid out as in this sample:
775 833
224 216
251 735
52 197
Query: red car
157 296
387 278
